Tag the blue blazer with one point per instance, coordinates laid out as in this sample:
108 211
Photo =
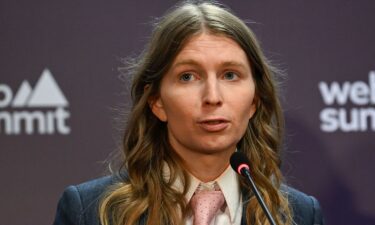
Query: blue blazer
79 205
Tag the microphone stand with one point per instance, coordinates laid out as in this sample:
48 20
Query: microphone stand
246 172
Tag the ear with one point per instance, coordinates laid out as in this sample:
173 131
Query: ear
157 108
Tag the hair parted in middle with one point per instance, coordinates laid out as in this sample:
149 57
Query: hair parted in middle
146 149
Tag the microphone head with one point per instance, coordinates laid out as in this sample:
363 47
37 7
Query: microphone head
239 162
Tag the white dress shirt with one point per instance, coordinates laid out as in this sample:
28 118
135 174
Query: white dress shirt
228 182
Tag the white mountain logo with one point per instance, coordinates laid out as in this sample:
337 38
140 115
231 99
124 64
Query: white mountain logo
46 94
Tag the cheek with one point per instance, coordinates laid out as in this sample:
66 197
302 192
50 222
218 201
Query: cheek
179 102
246 114
179 109
244 106
180 125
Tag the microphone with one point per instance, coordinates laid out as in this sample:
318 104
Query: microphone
240 163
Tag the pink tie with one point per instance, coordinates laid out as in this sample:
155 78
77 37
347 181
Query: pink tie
205 204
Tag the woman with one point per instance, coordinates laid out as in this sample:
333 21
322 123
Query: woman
202 89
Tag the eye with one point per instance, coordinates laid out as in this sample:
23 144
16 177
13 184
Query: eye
230 75
186 77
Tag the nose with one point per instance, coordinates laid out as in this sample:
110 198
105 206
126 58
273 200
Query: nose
212 93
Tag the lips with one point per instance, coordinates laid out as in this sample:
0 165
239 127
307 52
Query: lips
213 124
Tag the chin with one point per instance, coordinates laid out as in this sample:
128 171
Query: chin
218 147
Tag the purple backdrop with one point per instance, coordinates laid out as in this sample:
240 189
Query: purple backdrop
59 90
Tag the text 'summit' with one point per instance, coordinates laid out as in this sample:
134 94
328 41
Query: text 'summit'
349 105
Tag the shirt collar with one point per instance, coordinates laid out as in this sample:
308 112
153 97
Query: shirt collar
229 185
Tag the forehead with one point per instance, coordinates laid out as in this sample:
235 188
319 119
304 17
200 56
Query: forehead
219 46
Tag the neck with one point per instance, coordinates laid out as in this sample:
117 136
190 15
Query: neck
207 167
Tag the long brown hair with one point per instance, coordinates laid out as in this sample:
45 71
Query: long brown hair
146 149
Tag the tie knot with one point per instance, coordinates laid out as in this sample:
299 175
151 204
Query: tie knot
205 205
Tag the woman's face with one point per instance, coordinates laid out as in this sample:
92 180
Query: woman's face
207 96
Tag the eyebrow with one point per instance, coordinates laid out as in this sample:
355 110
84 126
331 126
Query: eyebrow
234 63
196 63
186 62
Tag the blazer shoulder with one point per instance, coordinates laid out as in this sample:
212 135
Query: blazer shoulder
78 204
305 208
92 190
